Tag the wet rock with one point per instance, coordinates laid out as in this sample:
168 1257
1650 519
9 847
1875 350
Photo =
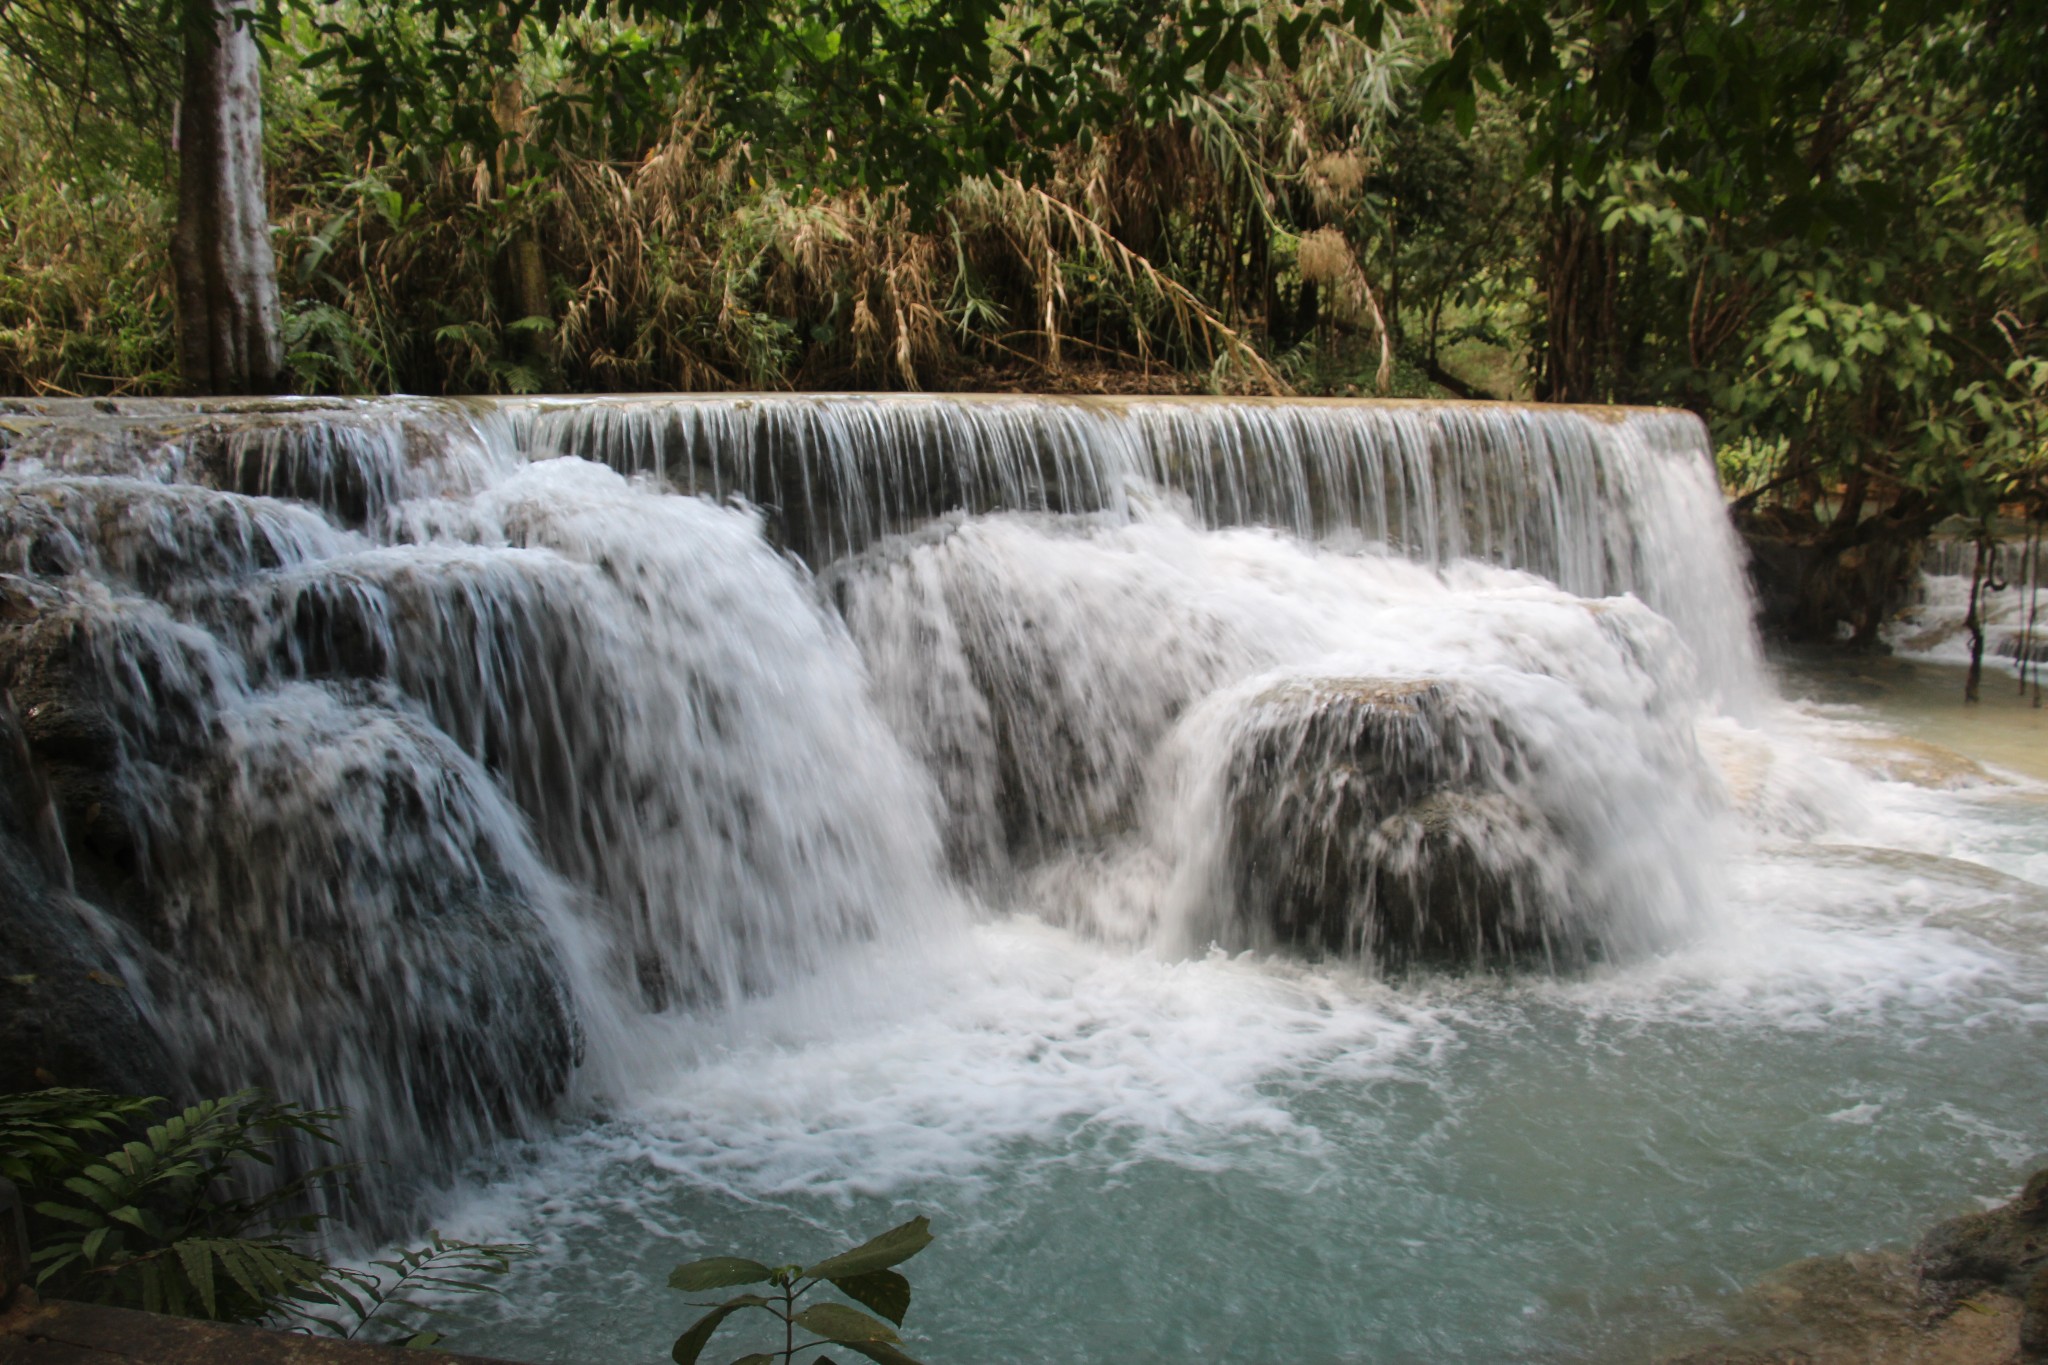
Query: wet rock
340 908
1383 818
2022 646
2034 1318
350 459
1898 759
67 1016
1973 1292
52 709
2006 1247
321 896
335 632
1852 1310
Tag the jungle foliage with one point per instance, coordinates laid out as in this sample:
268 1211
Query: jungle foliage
1819 224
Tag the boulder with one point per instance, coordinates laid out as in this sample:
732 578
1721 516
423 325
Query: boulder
305 887
2005 1247
1387 819
66 1014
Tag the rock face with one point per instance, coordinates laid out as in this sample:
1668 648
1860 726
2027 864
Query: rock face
66 1012
1973 1292
2005 1248
1385 818
311 888
1807 591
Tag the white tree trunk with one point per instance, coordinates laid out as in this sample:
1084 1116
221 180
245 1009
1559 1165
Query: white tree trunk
226 273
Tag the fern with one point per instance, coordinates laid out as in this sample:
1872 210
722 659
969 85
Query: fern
165 1220
43 1132
396 1294
164 1216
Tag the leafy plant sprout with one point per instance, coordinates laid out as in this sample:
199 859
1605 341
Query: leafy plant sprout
863 1274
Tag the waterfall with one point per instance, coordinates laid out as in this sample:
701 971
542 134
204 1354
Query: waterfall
419 750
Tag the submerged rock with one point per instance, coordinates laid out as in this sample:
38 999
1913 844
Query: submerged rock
1384 818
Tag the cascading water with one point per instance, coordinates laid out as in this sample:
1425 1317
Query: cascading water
1059 810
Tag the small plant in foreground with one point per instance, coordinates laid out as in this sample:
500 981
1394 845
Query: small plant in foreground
161 1213
391 1288
862 1274
174 1215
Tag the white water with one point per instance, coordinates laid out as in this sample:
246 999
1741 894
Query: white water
1933 625
942 879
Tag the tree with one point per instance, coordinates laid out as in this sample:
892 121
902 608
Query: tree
220 250
188 70
911 97
1787 219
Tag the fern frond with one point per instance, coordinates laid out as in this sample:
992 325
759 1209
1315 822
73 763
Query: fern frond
43 1131
443 1266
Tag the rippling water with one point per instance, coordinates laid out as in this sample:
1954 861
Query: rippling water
1130 1156
841 808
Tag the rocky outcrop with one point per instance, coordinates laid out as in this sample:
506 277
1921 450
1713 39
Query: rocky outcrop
1385 819
308 888
1974 1291
67 1016
2004 1249
352 459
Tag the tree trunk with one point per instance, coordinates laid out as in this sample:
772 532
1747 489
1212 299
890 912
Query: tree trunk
1975 626
226 274
1572 275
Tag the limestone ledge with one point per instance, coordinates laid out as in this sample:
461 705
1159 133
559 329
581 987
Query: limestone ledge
1974 1291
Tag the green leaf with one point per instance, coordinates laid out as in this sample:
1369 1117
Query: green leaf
885 1291
879 1253
691 1344
198 1264
68 1214
837 1322
717 1272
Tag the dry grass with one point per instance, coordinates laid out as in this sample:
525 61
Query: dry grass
1188 254
85 298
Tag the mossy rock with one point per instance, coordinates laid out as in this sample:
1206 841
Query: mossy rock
1384 819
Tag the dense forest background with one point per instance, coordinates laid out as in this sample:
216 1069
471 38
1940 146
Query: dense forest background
1819 225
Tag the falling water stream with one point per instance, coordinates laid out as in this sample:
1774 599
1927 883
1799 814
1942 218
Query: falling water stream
1286 882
